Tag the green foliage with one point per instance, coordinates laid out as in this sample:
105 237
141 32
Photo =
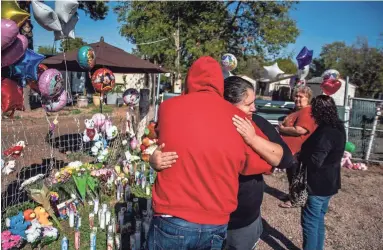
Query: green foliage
287 65
206 28
72 44
46 50
97 10
362 63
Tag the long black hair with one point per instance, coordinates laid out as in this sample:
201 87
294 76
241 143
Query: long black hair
236 89
325 112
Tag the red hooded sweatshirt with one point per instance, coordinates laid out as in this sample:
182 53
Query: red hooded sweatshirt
202 185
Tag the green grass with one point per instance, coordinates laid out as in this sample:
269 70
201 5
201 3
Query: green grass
105 109
75 112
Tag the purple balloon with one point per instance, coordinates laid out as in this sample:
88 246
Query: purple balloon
15 51
9 32
56 104
51 83
304 57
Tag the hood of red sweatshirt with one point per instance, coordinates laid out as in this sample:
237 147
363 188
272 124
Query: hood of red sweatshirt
205 75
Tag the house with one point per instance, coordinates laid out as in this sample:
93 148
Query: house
314 84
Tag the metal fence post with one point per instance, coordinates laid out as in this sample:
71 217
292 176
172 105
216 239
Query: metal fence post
346 105
372 135
157 98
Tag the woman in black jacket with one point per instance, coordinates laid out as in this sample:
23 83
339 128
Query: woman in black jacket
321 154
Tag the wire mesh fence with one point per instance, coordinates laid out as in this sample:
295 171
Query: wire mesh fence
47 151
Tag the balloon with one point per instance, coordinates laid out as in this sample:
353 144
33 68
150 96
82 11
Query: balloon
51 83
45 16
56 104
350 147
9 32
302 73
271 72
86 57
304 57
11 96
10 10
34 83
99 120
66 9
330 86
67 29
103 80
331 74
229 62
14 52
131 97
26 67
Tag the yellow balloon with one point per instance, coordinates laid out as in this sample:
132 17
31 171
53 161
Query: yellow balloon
11 10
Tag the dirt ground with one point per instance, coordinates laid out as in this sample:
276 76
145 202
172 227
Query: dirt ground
354 219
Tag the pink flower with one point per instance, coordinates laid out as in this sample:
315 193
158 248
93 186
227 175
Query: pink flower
5 233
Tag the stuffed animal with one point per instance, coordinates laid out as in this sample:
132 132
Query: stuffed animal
17 225
29 215
42 216
8 168
150 132
347 163
16 150
90 132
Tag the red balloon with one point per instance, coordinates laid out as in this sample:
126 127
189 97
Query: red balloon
34 84
11 96
330 86
103 80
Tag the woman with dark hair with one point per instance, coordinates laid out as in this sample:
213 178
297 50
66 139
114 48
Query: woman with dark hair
245 225
321 155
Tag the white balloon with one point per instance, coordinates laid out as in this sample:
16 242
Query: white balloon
302 73
67 29
45 16
66 9
273 71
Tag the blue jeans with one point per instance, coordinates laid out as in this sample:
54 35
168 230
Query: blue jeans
313 222
171 233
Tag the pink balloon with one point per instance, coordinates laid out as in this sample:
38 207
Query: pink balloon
56 104
15 51
99 120
330 86
9 32
51 83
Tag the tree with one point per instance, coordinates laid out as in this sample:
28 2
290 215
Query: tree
72 44
362 63
46 50
206 28
287 65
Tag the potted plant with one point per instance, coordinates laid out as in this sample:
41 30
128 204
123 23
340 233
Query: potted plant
82 100
115 93
96 99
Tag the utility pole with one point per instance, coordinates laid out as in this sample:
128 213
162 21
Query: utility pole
177 85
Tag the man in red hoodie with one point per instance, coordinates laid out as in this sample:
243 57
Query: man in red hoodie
193 199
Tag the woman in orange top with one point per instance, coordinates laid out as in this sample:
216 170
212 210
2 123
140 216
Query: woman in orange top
297 127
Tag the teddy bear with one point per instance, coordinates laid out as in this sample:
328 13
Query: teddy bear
29 215
42 216
90 132
17 225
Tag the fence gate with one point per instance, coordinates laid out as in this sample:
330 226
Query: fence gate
365 128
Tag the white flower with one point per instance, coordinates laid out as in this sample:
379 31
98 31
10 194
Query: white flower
75 164
124 142
31 180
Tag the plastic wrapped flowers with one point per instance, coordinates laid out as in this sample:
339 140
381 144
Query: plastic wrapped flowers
9 241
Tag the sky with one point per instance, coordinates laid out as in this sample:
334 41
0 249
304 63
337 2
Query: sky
319 23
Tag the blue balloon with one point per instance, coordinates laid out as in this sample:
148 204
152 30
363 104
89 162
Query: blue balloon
304 57
86 57
26 67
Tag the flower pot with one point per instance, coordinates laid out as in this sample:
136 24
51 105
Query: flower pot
82 102
96 100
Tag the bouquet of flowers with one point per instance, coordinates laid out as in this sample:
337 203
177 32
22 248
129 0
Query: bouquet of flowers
9 241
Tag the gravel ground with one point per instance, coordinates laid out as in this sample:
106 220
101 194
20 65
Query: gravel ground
354 220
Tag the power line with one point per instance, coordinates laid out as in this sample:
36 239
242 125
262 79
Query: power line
151 42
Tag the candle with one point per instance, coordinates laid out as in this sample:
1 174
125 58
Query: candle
64 243
137 240
102 220
127 193
147 190
107 217
132 242
93 239
95 206
143 182
77 239
148 204
71 218
118 241
113 223
91 220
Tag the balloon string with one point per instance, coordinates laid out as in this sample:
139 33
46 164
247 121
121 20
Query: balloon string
66 78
